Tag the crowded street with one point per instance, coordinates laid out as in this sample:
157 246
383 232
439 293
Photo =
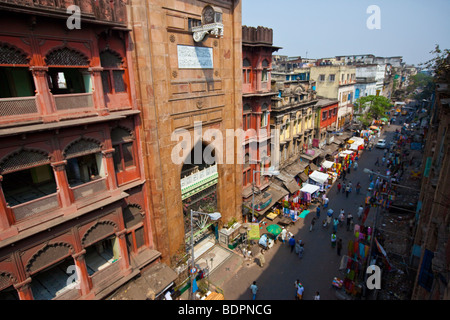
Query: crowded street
321 262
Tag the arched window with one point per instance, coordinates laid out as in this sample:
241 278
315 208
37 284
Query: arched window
27 176
247 174
84 161
247 71
134 223
264 74
67 71
15 76
247 117
113 72
122 141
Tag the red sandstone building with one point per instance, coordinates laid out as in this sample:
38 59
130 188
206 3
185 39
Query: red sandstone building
72 196
257 96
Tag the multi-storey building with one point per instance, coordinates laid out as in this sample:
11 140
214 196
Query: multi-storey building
187 57
431 250
73 202
293 118
257 95
337 82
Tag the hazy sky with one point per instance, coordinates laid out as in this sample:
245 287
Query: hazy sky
326 28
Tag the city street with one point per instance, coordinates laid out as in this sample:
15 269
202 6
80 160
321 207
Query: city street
320 262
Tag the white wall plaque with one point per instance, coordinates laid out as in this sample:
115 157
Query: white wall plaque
190 57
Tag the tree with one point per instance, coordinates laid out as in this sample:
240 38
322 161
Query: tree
377 107
440 64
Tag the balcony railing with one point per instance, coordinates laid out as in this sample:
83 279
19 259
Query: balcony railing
88 189
18 106
68 102
28 209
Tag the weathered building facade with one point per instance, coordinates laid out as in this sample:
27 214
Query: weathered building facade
187 57
257 49
74 219
431 250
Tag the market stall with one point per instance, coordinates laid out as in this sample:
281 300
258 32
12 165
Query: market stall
356 143
319 178
330 168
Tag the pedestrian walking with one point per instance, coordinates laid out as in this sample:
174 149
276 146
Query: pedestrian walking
292 243
339 247
325 204
283 235
262 259
383 161
333 240
254 290
344 173
339 186
300 290
335 224
313 221
347 191
358 188
300 251
317 296
296 283
341 217
327 222
344 186
349 221
318 212
355 166
377 163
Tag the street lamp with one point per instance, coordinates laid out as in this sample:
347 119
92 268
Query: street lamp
213 216
270 172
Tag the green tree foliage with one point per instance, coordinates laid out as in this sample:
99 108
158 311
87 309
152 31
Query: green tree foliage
377 107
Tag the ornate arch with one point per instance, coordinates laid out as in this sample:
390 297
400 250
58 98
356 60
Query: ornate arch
82 146
111 59
121 133
6 279
47 255
10 54
65 56
98 231
132 215
23 159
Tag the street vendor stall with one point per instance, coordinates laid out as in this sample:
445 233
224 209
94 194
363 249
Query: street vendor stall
331 169
319 178
356 143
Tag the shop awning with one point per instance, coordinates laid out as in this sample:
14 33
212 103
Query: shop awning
310 188
303 176
288 181
314 153
277 193
313 167
329 150
327 164
296 168
319 177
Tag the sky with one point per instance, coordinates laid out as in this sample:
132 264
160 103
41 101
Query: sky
327 28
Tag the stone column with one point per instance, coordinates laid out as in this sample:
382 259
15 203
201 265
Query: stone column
24 290
82 273
4 221
44 98
124 261
62 184
110 172
97 90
